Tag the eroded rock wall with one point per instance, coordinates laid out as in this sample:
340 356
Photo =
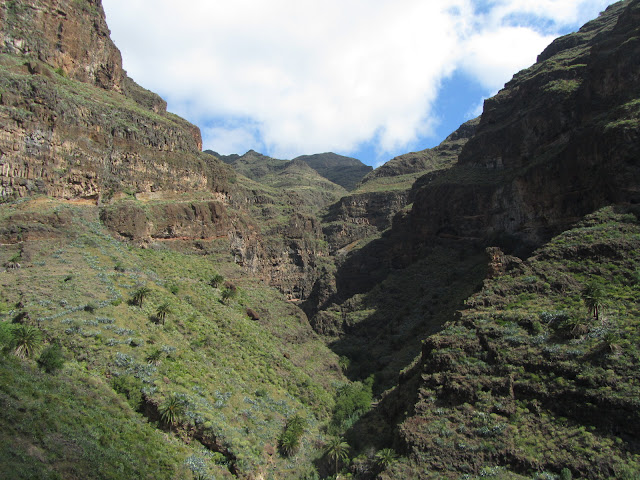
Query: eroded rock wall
559 141
72 124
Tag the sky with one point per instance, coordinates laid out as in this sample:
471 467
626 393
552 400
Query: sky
370 79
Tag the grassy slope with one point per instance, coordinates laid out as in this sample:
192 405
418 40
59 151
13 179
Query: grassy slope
238 379
527 380
292 178
72 425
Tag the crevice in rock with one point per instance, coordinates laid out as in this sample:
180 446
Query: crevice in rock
209 441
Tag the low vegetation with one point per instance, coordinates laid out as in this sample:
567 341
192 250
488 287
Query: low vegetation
539 376
205 386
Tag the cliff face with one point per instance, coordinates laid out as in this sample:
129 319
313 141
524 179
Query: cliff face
382 193
67 35
559 141
72 124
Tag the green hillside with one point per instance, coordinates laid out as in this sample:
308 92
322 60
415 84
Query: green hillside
538 378
238 359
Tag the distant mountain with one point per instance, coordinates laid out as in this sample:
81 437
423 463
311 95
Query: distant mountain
252 164
344 171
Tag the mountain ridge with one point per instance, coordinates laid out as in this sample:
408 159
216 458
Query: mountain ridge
344 171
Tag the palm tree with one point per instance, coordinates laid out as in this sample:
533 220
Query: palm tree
338 450
162 311
385 457
139 295
290 438
171 411
297 424
155 357
593 298
25 340
289 442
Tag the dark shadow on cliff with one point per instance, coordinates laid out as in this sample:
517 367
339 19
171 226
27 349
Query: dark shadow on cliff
389 298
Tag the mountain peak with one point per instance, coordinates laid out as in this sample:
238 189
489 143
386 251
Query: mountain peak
344 171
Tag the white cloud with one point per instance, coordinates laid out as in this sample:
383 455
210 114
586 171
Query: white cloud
302 76
559 12
229 139
493 56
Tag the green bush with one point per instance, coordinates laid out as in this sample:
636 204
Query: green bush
353 400
5 333
228 294
173 288
130 387
52 358
216 280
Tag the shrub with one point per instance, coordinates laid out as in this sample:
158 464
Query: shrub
352 401
228 294
173 288
216 280
130 387
154 357
344 363
565 474
52 358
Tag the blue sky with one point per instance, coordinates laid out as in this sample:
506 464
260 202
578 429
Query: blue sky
370 79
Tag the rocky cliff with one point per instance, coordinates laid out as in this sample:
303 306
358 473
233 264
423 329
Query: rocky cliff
381 194
560 140
73 125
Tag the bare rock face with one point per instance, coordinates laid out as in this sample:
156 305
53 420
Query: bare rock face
361 215
171 220
73 125
287 258
67 35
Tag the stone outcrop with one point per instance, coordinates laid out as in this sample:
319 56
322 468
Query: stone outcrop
361 215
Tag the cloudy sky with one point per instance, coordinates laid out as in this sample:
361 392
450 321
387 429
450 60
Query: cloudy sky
365 78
